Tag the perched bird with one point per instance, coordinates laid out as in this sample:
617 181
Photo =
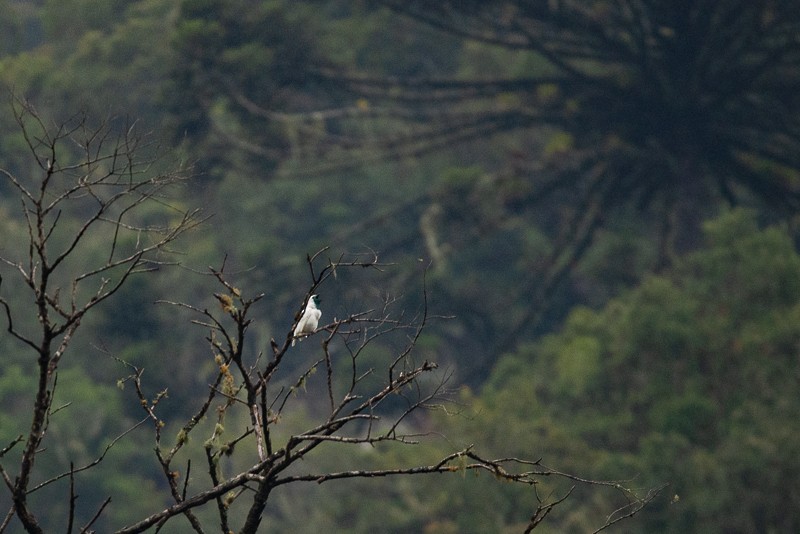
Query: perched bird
309 321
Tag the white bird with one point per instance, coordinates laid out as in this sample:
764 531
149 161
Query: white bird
309 321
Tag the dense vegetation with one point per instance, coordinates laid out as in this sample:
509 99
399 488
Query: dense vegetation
604 195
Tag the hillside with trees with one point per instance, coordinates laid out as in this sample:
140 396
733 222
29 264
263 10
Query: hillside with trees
555 243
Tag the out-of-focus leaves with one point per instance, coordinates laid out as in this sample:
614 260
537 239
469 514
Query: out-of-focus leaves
687 379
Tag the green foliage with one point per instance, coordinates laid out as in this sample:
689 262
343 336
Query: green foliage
19 27
232 56
685 380
127 58
105 59
86 417
70 19
25 71
394 46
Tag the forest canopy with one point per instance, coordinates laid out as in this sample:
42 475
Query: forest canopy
595 203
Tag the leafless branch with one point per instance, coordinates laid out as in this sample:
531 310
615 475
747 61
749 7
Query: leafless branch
362 402
73 471
633 507
96 172
96 516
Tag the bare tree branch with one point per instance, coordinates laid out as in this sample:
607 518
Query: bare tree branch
362 402
77 161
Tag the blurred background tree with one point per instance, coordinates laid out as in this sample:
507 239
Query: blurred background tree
542 155
686 379
573 117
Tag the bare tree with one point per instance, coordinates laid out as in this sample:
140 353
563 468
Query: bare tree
357 411
92 174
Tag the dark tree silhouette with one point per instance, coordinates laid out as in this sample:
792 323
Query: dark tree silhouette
662 100
238 60
673 107
670 108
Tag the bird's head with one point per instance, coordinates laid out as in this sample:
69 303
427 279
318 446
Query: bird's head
314 300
